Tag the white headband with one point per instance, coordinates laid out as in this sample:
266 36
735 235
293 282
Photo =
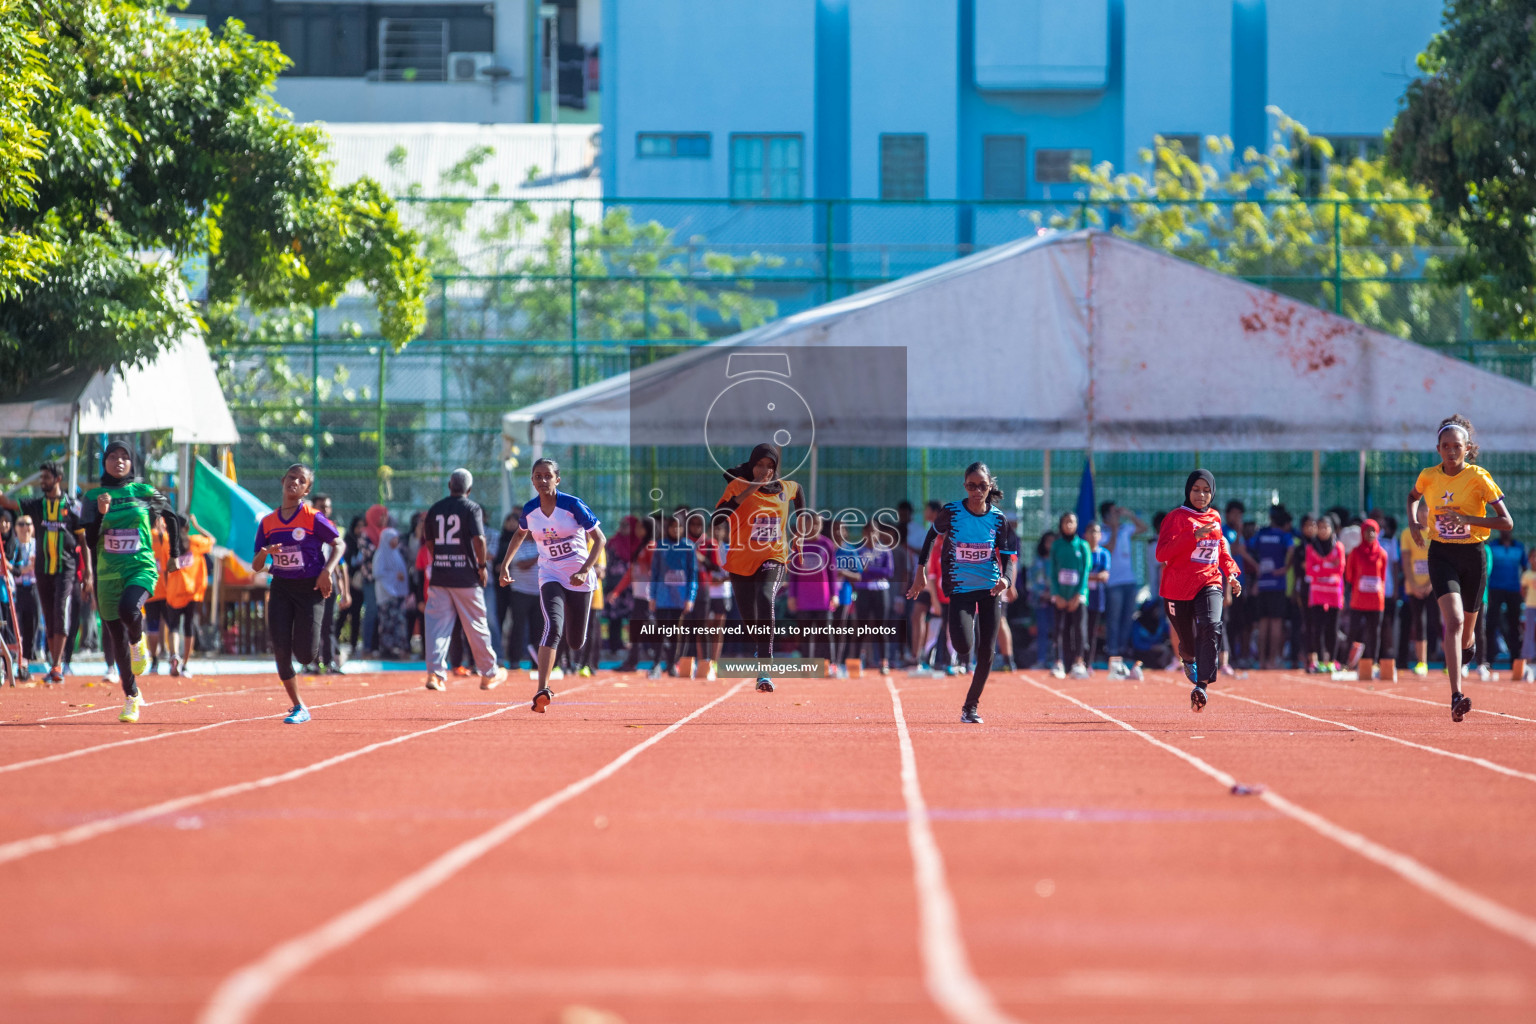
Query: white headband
1455 426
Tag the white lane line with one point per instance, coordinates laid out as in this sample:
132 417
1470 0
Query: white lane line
242 993
20 848
16 766
1481 762
952 984
111 706
1400 696
1458 897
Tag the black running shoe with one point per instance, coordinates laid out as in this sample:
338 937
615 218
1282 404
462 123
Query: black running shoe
969 716
1460 705
1197 699
764 684
542 698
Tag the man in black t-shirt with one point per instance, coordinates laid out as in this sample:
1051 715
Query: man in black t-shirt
56 520
454 534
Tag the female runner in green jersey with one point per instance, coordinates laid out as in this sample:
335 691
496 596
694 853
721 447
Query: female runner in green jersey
117 516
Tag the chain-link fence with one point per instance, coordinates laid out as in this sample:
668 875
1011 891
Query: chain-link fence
535 298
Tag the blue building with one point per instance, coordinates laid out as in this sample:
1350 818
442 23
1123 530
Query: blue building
976 99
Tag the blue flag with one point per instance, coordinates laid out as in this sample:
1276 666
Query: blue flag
1087 509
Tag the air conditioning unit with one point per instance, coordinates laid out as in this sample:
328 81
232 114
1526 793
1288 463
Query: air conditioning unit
465 67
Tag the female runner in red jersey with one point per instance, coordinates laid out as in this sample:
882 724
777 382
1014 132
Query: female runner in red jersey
1195 557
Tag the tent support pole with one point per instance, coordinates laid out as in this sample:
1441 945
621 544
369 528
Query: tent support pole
815 474
183 478
1363 509
1317 484
1045 489
74 452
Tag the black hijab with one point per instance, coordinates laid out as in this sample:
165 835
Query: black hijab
1189 485
744 471
1318 544
107 479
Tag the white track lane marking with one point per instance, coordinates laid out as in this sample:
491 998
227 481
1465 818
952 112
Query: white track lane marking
952 984
242 993
1398 696
1474 905
20 848
16 766
1481 762
110 706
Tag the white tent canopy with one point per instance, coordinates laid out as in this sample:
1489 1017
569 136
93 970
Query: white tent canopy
1087 341
178 391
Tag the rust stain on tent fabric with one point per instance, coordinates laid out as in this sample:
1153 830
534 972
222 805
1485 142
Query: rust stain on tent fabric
1312 351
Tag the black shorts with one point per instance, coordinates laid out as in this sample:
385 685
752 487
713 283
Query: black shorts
719 606
923 599
152 612
181 620
1272 604
56 593
1458 569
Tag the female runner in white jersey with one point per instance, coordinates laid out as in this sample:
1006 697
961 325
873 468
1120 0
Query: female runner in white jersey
569 541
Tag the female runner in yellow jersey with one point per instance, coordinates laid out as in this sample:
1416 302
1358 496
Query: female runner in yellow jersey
1453 500
761 509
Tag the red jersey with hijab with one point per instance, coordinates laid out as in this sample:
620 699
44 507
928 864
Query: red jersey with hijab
300 537
1325 576
1366 572
1190 564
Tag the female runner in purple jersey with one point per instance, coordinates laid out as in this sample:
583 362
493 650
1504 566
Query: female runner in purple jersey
293 538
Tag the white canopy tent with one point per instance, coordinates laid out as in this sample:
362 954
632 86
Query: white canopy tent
1088 341
178 391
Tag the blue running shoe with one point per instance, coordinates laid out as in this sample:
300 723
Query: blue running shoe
298 716
1190 674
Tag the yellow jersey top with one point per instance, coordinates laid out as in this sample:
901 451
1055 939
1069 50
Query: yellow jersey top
1415 559
760 525
1469 492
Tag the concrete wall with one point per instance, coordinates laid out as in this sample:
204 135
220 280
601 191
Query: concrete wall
1339 68
1178 71
704 66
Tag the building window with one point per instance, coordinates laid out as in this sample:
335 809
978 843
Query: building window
413 49
1312 166
1054 166
1005 167
903 167
663 145
766 166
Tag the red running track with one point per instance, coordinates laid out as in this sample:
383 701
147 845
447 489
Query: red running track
413 855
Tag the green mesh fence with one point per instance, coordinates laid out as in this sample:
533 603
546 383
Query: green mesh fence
510 324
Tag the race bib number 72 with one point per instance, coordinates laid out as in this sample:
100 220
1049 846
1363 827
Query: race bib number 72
1207 551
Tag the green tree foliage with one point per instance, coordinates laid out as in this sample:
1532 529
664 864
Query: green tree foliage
514 259
1467 132
1273 217
23 81
163 143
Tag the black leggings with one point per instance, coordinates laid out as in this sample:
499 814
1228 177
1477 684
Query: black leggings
755 595
974 612
1503 615
124 631
565 615
872 607
294 612
1365 630
1413 623
1322 631
1199 627
822 645
1071 633
667 646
